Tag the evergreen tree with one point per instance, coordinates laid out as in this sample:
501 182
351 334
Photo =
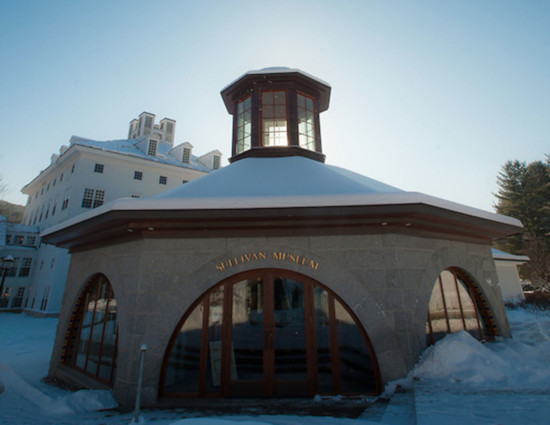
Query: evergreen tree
524 193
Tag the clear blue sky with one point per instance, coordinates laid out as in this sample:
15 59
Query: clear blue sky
428 96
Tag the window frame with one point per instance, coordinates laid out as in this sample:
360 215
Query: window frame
274 132
92 198
73 333
226 286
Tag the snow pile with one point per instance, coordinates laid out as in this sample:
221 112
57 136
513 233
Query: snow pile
83 401
80 401
521 363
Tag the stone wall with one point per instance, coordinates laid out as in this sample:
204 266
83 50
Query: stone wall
386 280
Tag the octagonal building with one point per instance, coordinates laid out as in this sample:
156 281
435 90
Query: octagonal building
276 276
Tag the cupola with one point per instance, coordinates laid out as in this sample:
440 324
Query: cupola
276 113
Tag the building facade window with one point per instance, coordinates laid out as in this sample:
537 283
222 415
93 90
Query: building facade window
306 122
17 300
45 297
148 123
169 127
73 168
152 149
243 127
138 175
66 197
5 297
163 179
25 268
12 272
92 337
18 240
274 118
98 168
93 198
456 304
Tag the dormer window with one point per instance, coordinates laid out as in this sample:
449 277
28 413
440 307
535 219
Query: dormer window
186 156
152 149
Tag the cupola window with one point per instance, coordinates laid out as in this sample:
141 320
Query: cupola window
274 118
306 122
244 125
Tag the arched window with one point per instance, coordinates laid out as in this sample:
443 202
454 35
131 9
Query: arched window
269 333
457 304
91 340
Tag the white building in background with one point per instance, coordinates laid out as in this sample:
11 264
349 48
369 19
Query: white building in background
20 242
88 173
508 276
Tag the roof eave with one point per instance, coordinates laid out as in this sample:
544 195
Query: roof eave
114 225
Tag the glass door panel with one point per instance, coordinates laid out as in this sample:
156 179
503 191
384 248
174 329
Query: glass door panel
289 336
214 348
356 368
322 328
247 342
183 369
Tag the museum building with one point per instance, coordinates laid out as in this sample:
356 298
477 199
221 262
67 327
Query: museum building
275 276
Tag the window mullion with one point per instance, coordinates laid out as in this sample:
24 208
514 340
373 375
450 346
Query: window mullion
100 354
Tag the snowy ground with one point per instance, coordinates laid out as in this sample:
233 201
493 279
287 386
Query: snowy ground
458 381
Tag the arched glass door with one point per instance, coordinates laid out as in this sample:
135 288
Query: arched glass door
269 333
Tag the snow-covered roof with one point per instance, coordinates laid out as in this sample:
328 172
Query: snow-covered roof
276 183
277 70
128 147
292 176
501 255
264 76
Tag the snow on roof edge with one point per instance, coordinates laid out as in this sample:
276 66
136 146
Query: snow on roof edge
276 70
396 198
506 256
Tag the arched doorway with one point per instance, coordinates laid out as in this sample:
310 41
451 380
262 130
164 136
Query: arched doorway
457 304
269 333
91 341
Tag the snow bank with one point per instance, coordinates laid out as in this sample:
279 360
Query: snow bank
83 401
77 402
519 363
